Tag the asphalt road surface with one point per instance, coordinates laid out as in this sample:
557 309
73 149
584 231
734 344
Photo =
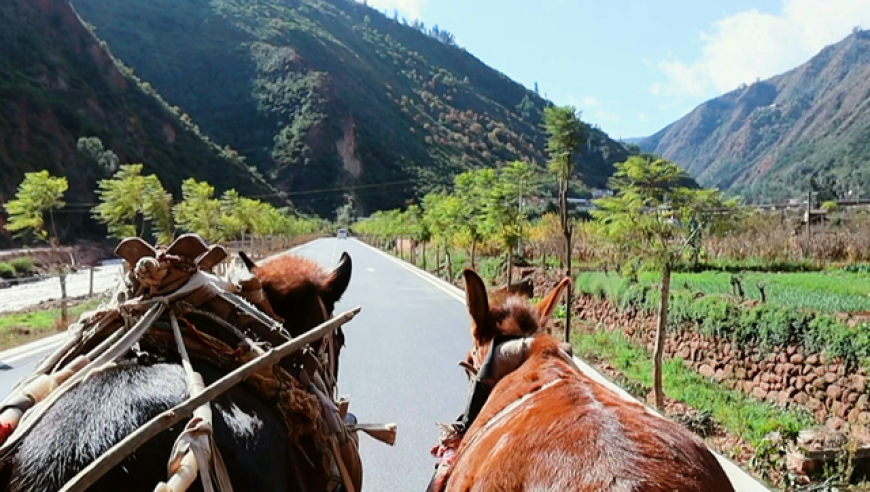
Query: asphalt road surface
400 362
399 365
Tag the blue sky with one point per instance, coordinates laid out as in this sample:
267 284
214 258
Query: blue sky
634 66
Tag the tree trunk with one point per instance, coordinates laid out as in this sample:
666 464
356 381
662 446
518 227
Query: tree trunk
661 330
142 227
424 256
473 250
53 239
449 265
568 294
567 230
510 269
438 261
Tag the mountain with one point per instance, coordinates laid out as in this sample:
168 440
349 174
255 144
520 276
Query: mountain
633 140
766 140
331 98
58 83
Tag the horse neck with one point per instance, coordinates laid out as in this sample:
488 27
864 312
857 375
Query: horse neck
545 366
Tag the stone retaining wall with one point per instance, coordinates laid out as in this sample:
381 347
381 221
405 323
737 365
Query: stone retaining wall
827 387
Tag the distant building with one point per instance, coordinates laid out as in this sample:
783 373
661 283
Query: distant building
601 193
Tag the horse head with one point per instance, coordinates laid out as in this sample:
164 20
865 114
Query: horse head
300 290
303 293
534 420
509 315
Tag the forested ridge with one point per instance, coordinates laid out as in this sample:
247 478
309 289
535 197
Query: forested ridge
331 98
59 84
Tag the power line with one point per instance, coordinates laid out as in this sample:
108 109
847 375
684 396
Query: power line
338 188
70 206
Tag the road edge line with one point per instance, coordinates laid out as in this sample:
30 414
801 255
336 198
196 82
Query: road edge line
590 372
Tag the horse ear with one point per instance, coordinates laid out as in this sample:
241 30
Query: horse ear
548 304
338 280
247 261
478 304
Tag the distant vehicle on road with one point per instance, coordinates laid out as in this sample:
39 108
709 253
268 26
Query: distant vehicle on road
342 233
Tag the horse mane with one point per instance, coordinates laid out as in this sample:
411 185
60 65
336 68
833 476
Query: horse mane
513 314
290 273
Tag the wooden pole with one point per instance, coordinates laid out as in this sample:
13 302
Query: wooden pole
64 315
809 213
91 282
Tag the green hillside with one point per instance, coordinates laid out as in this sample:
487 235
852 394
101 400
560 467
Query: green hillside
58 83
325 96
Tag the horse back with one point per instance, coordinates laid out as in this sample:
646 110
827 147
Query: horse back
572 434
87 421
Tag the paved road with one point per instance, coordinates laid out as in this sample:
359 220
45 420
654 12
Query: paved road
400 363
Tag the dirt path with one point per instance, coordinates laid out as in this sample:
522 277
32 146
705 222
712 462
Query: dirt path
77 284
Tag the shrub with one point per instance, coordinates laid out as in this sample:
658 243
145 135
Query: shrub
749 265
491 268
23 266
7 271
767 325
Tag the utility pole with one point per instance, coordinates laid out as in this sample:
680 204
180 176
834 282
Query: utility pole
809 211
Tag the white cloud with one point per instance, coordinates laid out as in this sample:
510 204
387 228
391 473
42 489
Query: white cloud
643 117
749 45
410 8
591 102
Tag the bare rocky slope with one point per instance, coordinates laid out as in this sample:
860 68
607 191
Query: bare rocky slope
767 139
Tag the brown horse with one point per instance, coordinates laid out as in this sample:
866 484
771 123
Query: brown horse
547 426
292 282
250 434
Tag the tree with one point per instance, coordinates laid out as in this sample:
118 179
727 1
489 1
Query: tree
104 160
526 107
444 214
199 212
128 199
566 133
505 212
474 188
158 210
654 218
38 194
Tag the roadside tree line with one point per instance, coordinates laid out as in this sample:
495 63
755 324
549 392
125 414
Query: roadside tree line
485 206
655 219
132 204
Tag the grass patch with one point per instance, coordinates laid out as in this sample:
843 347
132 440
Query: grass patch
17 329
737 412
751 265
826 292
23 266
